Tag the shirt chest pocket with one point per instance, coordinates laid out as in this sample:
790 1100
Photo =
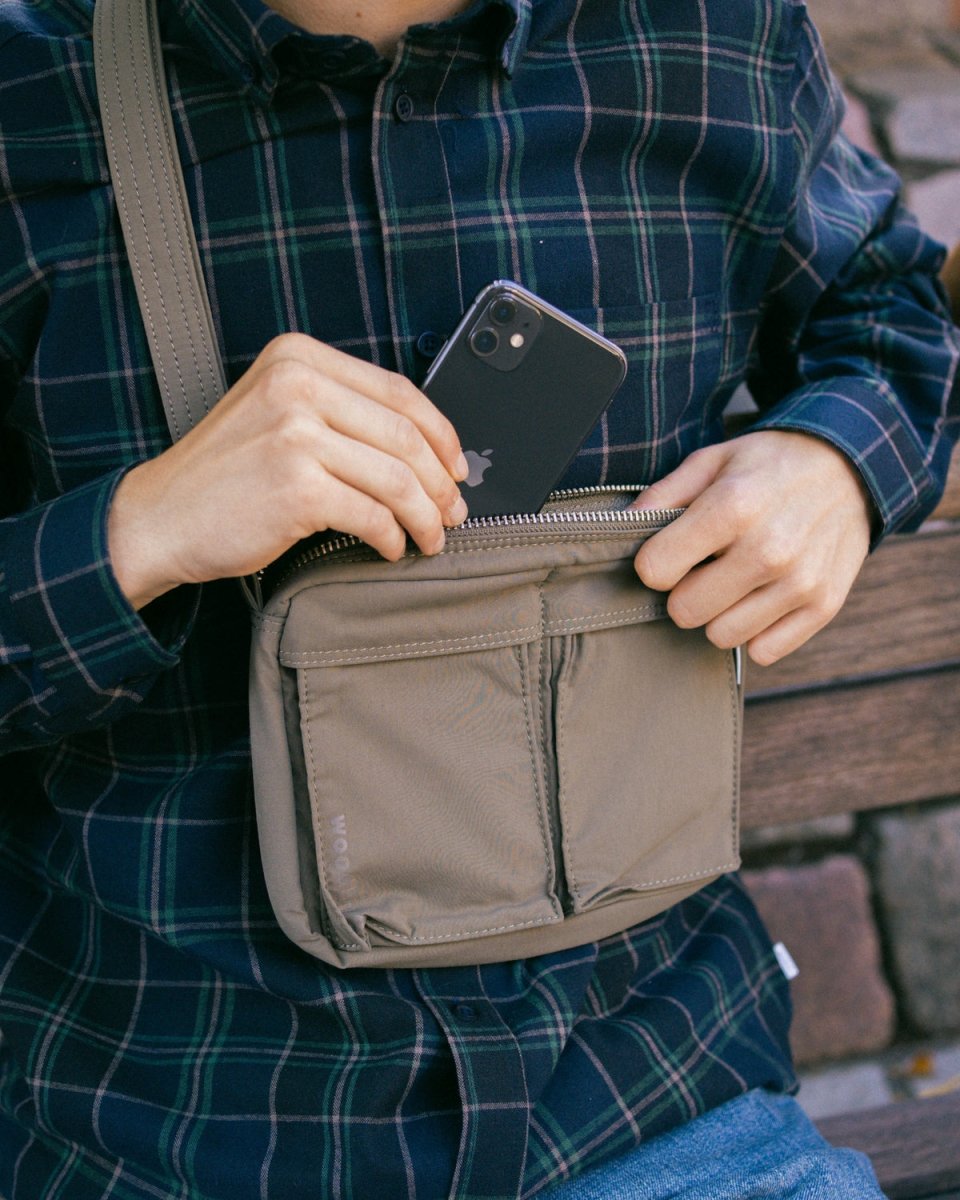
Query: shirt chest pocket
677 364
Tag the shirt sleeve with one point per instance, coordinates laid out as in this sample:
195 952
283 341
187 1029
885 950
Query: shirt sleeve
74 654
856 345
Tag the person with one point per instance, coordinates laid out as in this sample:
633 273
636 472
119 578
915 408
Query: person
673 175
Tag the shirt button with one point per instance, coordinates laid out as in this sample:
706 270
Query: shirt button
248 73
403 107
429 344
332 62
465 1012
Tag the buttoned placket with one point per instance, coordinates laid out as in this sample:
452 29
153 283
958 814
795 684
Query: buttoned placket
411 169
491 1079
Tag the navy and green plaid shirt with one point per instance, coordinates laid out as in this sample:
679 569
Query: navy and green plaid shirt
667 170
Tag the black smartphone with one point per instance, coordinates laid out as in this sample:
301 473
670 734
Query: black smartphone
523 384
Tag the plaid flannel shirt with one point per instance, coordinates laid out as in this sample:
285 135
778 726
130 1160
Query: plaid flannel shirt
668 172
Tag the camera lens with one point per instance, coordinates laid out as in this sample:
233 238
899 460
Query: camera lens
503 311
484 341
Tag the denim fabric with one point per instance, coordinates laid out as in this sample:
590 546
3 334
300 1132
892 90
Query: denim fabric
758 1145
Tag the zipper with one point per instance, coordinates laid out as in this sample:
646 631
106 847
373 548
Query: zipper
552 519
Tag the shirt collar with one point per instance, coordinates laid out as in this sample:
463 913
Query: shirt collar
242 37
517 35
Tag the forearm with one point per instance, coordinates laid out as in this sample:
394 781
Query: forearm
855 343
874 371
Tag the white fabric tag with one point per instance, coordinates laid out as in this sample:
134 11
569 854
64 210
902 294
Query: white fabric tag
785 959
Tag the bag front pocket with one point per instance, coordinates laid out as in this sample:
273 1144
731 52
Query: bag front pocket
646 732
423 761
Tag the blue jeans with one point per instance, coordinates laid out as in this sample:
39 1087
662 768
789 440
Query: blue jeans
760 1145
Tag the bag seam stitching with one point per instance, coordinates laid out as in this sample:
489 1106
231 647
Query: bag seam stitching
316 658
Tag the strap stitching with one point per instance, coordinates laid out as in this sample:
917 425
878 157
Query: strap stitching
140 38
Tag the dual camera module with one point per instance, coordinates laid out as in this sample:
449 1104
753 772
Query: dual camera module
506 330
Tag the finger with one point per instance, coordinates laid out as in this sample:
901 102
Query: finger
353 511
772 621
704 593
386 480
784 636
750 615
355 416
742 569
684 484
699 534
385 387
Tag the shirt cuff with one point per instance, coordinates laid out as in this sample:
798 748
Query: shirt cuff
90 650
862 420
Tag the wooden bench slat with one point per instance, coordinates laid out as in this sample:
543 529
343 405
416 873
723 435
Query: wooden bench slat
914 1146
853 748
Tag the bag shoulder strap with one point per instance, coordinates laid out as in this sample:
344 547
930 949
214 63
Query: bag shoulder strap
154 214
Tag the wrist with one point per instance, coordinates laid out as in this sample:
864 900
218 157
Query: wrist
136 544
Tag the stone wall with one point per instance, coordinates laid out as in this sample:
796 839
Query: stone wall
864 33
869 908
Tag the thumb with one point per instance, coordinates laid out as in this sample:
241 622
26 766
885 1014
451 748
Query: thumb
683 485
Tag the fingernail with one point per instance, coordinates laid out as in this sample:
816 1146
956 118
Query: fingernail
457 512
462 469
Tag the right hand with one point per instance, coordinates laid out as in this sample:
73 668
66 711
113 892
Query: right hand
308 439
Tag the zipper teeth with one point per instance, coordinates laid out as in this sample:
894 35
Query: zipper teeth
349 541
566 517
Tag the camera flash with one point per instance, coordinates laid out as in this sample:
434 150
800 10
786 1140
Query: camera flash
516 340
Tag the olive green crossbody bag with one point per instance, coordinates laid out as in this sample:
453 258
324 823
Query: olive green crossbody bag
494 752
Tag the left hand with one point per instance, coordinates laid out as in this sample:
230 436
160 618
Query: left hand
776 529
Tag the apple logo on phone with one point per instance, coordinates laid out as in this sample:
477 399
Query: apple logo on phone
478 464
